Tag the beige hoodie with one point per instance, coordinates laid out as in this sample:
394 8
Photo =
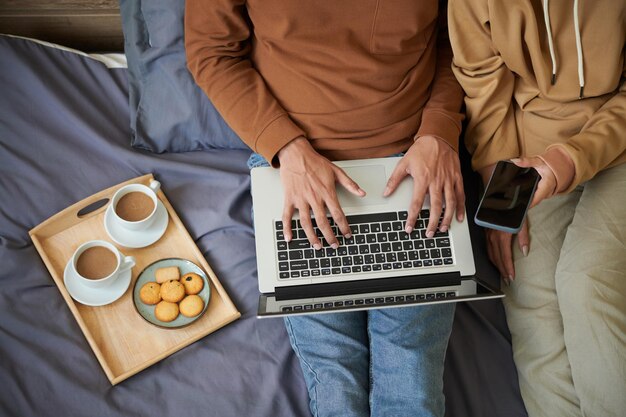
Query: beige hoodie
524 64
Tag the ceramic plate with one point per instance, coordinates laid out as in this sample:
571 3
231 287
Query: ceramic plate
137 239
147 275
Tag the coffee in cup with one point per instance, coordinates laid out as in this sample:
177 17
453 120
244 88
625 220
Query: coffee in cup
135 205
98 263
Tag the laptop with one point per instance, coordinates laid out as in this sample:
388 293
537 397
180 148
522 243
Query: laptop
380 266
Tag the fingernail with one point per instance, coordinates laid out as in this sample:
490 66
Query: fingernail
288 238
461 217
510 278
317 246
515 160
361 191
506 281
408 230
443 228
386 192
334 246
525 250
430 233
348 235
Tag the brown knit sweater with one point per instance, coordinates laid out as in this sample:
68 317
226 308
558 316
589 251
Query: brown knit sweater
358 78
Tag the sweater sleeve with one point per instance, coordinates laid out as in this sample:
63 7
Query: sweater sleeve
441 116
602 139
491 133
217 43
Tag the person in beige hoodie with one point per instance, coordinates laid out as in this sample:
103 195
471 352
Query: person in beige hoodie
545 88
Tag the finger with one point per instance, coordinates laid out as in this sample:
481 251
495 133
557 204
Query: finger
436 203
417 200
347 182
396 178
526 162
460 200
506 256
338 215
448 213
490 250
523 238
287 216
307 225
497 257
322 223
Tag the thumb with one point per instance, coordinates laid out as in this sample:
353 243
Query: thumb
396 177
347 182
523 238
524 162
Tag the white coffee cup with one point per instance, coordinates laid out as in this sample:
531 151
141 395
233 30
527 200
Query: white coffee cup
120 265
149 191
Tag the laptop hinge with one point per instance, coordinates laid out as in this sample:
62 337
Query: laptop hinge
329 289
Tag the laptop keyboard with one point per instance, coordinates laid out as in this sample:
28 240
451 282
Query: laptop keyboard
378 243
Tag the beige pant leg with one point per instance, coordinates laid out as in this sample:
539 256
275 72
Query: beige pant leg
534 317
591 291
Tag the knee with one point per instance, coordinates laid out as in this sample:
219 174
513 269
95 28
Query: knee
596 274
593 296
396 323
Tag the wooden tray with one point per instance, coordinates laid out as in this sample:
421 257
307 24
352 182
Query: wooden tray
121 339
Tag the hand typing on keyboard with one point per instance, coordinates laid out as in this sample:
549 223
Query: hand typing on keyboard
436 170
378 242
309 185
309 182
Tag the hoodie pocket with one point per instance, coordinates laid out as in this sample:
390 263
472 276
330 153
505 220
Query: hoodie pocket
402 26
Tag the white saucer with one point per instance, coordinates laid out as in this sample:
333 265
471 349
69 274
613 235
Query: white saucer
134 238
95 296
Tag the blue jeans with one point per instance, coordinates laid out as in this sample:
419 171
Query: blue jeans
257 160
386 362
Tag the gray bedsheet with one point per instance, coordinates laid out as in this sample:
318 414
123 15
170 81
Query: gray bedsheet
64 135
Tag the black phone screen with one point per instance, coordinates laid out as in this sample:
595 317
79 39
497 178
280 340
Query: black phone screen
507 197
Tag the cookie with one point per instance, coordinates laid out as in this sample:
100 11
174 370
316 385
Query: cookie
150 293
191 306
167 274
172 291
166 311
193 283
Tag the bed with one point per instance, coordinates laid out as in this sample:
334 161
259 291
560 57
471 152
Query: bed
66 133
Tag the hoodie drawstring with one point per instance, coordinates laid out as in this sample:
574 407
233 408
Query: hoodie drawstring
579 46
546 17
579 51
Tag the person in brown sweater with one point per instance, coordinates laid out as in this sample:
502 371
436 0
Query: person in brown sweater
545 85
304 83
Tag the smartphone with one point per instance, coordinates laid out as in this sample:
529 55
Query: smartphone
507 197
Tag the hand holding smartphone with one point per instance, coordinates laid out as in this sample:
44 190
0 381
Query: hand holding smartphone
507 197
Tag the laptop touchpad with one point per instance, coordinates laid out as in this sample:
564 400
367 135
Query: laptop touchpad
370 178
